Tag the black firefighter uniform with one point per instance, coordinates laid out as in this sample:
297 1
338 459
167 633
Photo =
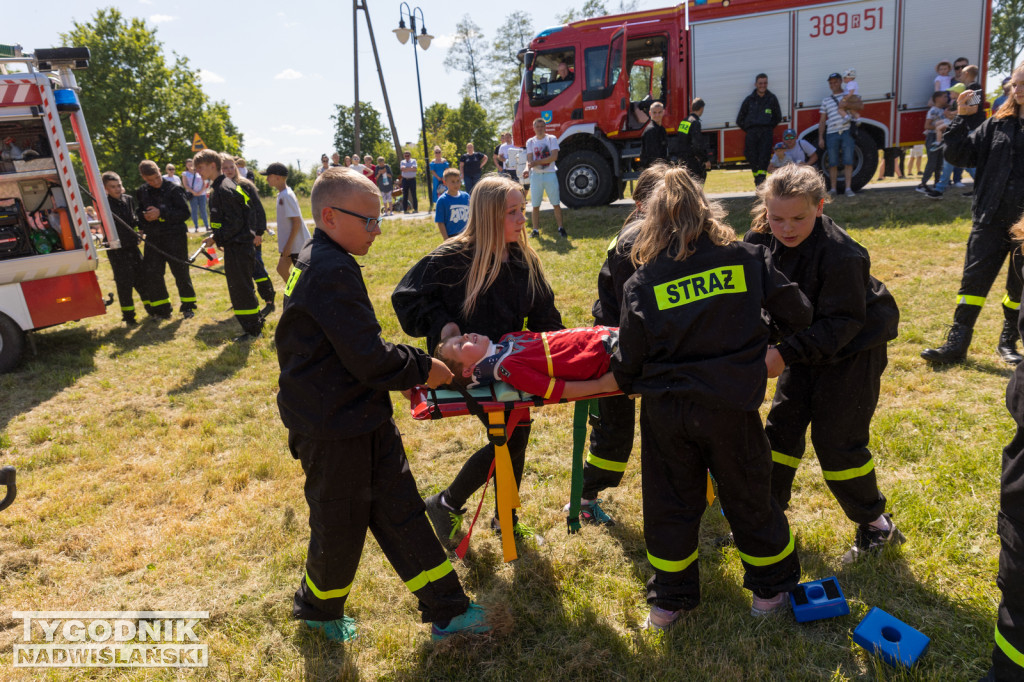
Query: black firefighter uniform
692 342
229 220
336 372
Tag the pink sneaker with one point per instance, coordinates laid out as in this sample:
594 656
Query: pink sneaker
761 606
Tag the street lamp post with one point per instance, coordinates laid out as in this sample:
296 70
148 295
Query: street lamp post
423 39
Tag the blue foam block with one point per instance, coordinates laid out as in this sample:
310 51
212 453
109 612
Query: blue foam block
889 637
818 599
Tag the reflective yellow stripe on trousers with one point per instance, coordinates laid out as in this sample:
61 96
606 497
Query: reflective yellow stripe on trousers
429 576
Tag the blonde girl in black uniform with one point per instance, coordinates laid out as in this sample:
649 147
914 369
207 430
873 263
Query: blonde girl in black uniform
489 279
830 373
692 342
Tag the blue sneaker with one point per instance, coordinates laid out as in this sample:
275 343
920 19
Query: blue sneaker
592 513
341 630
472 622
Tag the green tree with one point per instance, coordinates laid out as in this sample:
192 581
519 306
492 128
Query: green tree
451 129
374 137
468 54
1007 36
136 105
595 8
513 35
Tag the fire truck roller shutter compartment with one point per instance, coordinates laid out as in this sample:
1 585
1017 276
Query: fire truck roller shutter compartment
852 35
931 35
727 54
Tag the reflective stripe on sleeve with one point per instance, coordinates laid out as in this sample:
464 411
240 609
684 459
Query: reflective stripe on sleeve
769 560
327 594
429 576
779 458
1010 303
847 474
671 566
970 300
1011 652
605 464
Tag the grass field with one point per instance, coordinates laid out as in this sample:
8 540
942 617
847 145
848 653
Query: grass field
154 475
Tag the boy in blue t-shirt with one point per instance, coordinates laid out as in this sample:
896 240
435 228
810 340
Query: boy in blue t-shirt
452 211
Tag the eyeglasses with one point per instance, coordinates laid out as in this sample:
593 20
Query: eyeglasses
371 223
960 67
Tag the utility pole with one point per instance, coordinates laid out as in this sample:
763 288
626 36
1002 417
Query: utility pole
355 62
361 5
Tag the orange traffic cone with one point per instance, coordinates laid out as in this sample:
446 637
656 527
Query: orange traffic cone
211 257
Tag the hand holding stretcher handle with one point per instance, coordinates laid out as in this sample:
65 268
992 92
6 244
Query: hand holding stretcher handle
8 478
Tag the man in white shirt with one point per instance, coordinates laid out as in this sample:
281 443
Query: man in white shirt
292 233
541 154
195 187
408 169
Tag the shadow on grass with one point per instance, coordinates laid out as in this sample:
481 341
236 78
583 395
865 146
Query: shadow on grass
324 660
533 632
227 363
58 358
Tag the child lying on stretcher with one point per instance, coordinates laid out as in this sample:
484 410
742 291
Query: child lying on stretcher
566 364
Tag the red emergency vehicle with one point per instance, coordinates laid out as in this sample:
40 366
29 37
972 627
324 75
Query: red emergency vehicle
47 256
713 49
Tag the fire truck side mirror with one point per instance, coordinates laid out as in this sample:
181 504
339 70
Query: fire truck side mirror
75 57
528 60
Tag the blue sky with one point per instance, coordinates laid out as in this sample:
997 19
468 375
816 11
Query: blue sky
282 66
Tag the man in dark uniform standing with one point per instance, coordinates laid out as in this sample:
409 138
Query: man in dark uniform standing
163 210
336 372
689 146
126 262
654 140
229 220
758 116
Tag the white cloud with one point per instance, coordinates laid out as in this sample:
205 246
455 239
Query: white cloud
288 75
208 77
161 18
289 129
297 151
258 142
146 2
444 42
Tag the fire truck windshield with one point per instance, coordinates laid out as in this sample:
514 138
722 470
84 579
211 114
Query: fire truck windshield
553 73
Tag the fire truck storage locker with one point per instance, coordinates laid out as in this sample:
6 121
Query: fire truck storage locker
728 52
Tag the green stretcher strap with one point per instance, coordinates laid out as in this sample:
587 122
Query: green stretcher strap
581 413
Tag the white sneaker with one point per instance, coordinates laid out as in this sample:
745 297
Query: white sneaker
766 606
959 184
849 192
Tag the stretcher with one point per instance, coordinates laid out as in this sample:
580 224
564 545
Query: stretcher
501 409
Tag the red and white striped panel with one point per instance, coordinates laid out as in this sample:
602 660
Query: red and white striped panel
55 132
18 92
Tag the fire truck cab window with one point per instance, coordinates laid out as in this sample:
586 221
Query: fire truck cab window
553 73
646 60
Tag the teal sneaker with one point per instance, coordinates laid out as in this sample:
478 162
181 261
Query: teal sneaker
447 523
341 630
472 622
591 513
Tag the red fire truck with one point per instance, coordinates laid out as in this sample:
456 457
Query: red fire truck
713 49
47 256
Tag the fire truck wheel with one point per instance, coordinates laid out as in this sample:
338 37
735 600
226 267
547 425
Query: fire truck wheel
12 343
865 162
586 179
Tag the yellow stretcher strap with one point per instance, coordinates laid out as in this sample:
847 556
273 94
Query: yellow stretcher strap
506 489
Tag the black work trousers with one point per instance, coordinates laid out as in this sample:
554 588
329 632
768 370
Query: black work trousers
837 400
987 248
126 262
409 198
681 440
264 287
611 442
238 265
173 253
473 473
361 483
757 147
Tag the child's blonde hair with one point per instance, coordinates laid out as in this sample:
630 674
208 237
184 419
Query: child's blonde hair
450 172
1016 232
676 214
786 183
643 187
1010 107
484 237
